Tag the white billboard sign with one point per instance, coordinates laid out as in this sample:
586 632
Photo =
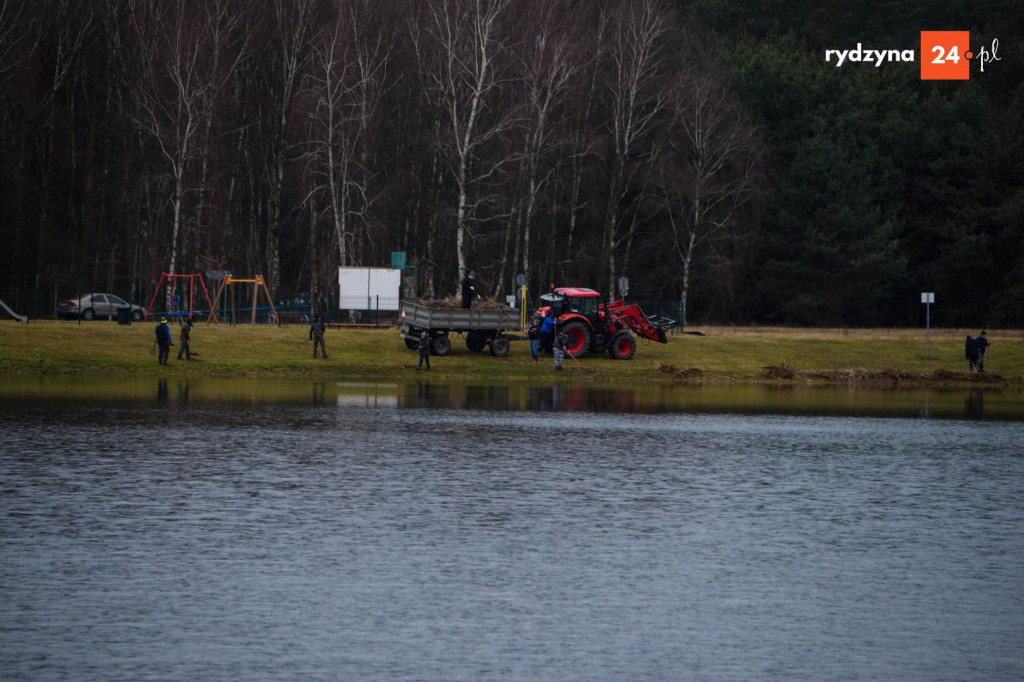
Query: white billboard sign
369 289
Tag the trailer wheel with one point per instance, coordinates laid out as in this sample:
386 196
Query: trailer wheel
441 345
499 347
577 339
622 346
411 344
475 341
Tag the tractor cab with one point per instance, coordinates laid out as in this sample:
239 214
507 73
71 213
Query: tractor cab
556 303
582 302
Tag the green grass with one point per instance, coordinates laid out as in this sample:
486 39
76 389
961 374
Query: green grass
725 354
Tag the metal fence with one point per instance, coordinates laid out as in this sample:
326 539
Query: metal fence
35 302
42 302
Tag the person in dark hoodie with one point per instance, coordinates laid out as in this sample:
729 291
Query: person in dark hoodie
184 339
982 343
316 333
971 353
424 350
469 290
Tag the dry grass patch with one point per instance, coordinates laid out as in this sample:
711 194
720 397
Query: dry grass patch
681 373
455 303
780 372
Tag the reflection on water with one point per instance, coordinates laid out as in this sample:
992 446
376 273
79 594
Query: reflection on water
973 403
227 530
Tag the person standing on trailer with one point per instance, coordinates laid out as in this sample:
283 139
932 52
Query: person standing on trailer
163 341
316 333
424 350
469 290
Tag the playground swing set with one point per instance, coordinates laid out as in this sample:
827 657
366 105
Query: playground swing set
258 285
171 279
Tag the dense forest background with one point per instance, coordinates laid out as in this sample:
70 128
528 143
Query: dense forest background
701 148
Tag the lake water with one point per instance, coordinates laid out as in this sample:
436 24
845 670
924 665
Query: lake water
230 530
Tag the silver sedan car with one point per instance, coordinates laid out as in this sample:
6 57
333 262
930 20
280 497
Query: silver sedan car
97 307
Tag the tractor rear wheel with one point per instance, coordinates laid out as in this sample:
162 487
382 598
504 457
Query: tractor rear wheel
475 341
622 346
577 339
440 345
499 347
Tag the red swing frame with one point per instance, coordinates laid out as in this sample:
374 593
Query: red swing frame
191 293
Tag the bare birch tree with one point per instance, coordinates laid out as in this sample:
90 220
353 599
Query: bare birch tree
580 141
177 99
716 155
346 80
635 99
549 65
292 29
66 28
228 48
459 54
12 32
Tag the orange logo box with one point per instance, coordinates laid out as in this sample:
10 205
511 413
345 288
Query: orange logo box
946 55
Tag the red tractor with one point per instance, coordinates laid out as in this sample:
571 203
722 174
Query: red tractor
592 325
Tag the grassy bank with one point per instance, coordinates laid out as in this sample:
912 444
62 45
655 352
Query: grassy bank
741 354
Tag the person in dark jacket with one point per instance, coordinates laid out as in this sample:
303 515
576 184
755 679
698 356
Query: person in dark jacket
469 290
982 344
163 341
424 350
534 335
971 353
184 336
316 333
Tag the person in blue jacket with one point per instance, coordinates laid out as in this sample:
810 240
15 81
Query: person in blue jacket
163 341
547 329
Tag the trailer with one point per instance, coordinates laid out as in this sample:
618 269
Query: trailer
482 328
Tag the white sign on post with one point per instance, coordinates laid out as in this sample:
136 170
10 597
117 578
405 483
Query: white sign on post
928 298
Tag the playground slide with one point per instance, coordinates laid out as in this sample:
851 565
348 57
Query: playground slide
20 318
